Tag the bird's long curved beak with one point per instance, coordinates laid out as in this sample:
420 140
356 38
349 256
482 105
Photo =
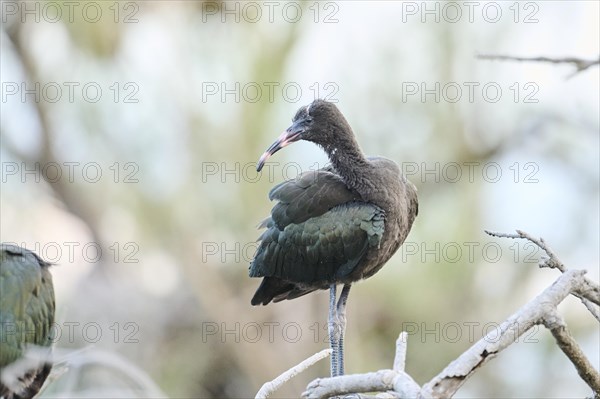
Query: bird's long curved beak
293 133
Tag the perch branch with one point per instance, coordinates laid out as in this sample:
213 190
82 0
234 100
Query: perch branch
396 382
269 387
557 326
445 384
397 385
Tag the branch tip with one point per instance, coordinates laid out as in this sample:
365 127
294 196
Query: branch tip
400 358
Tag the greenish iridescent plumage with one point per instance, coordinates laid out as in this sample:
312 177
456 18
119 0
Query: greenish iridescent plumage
26 315
317 233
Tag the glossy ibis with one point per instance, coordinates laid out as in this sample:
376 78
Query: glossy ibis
336 225
26 318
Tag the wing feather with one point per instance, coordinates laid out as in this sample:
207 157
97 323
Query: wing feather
318 232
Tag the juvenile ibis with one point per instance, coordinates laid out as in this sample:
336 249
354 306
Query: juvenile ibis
337 225
26 318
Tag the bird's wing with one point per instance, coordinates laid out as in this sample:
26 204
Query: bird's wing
320 249
310 195
26 302
317 234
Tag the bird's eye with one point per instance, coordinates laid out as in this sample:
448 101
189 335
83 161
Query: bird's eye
301 112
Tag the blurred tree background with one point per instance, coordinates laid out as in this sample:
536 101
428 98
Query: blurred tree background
129 136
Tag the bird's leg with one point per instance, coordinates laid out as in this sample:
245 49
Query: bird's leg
333 330
341 316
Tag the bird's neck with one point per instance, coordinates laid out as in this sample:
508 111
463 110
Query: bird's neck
348 160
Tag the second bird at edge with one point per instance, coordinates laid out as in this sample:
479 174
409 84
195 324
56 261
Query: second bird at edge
336 225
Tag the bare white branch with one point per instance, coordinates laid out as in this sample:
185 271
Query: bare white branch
552 261
392 383
557 326
397 384
445 384
400 358
589 293
269 387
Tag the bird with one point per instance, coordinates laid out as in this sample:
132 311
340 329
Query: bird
27 307
332 226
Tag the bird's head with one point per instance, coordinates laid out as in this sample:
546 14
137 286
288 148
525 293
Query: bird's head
314 122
